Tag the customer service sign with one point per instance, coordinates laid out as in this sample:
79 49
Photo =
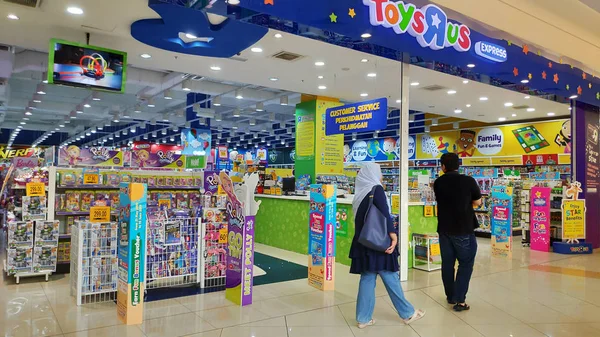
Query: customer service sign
356 117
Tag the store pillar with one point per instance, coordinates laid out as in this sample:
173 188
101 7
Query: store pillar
403 225
321 236
316 153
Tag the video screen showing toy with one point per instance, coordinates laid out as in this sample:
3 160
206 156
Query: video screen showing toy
87 66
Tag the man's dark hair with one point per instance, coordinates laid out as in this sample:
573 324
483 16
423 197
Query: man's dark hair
450 161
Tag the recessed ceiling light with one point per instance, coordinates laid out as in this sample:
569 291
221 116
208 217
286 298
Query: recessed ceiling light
508 104
28 113
483 98
573 96
364 94
274 79
145 56
398 101
256 50
465 81
414 84
278 36
191 36
550 114
530 109
371 75
215 68
319 63
514 115
471 65
524 81
23 123
527 97
451 92
365 35
75 10
501 119
468 105
457 111
364 60
238 95
320 77
12 17
87 105
322 87
570 108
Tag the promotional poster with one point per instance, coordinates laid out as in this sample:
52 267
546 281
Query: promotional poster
501 235
196 142
321 237
94 156
539 227
157 156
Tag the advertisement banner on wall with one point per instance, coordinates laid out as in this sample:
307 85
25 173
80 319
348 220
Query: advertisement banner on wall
377 149
321 237
94 156
16 151
195 142
501 206
157 155
553 137
592 172
540 218
329 149
357 117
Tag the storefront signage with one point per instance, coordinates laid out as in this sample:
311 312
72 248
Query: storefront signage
100 214
476 162
321 237
94 156
501 235
490 51
540 218
35 189
429 24
507 161
6 153
357 117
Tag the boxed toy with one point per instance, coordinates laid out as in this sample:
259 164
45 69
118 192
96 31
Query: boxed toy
44 258
73 204
33 208
87 199
68 178
19 260
46 233
20 233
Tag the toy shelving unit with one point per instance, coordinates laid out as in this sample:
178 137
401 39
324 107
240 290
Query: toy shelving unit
94 262
426 252
172 250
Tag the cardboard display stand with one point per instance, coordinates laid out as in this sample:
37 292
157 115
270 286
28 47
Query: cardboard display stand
573 224
321 237
502 221
241 212
132 253
540 218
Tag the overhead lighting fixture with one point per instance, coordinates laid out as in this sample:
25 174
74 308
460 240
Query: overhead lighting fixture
524 81
12 17
41 89
94 130
414 84
371 75
73 115
235 127
573 96
23 123
62 126
283 100
468 105
28 113
508 104
260 106
273 79
550 113
151 104
457 111
451 92
186 85
527 97
427 129
168 95
364 94
398 101
236 112
238 94
366 35
253 122
514 115
145 56
501 119
364 60
434 122
483 98
530 109
470 65
319 63
218 117
278 36
96 96
322 87
75 10
86 105
215 68
191 36
465 81
256 50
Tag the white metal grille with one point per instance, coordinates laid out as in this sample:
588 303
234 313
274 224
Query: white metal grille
94 263
214 251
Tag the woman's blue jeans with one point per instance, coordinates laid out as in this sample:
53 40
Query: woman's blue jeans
365 303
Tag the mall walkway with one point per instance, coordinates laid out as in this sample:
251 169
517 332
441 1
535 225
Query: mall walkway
534 295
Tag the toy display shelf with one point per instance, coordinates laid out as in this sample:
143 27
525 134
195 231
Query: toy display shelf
18 276
110 187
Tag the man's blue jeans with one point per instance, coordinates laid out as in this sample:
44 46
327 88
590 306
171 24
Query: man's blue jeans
366 295
462 248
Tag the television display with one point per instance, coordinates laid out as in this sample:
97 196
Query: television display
86 66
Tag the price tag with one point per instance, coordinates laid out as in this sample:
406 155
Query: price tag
428 211
91 179
35 189
435 249
164 203
278 190
100 214
223 235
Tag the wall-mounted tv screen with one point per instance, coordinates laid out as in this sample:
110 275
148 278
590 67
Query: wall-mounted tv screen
86 66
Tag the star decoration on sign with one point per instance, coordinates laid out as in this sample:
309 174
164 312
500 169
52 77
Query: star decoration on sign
526 49
549 64
590 85
556 78
598 95
529 76
435 21
509 42
516 71
539 53
567 87
538 194
270 2
544 74
351 13
333 17
560 60
579 90
584 76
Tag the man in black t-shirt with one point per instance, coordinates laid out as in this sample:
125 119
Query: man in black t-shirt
456 194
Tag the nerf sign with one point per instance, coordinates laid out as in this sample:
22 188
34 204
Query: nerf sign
429 24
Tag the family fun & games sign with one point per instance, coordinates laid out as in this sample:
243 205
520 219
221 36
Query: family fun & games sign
429 24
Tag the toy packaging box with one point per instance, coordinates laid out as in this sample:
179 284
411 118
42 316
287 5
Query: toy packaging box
20 233
19 260
34 208
46 233
73 204
44 258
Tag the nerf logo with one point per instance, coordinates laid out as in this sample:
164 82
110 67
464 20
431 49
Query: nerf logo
491 51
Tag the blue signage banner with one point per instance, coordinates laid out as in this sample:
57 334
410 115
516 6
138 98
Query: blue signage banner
357 117
377 149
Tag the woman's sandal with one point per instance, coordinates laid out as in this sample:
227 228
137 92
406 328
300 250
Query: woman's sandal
461 307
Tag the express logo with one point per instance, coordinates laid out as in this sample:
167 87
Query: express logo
165 157
100 153
429 24
491 51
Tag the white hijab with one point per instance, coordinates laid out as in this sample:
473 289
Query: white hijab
368 177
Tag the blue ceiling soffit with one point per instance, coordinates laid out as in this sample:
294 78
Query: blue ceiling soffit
223 40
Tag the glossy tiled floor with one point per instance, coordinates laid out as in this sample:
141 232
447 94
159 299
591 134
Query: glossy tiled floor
534 295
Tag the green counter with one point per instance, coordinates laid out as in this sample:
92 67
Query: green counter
282 222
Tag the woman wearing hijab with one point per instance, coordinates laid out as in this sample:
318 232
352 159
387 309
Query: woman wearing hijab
370 263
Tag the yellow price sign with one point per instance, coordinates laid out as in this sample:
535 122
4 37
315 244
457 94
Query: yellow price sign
164 203
91 179
395 203
100 214
428 211
35 189
277 190
223 235
435 249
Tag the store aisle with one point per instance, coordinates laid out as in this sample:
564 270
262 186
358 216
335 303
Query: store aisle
534 295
